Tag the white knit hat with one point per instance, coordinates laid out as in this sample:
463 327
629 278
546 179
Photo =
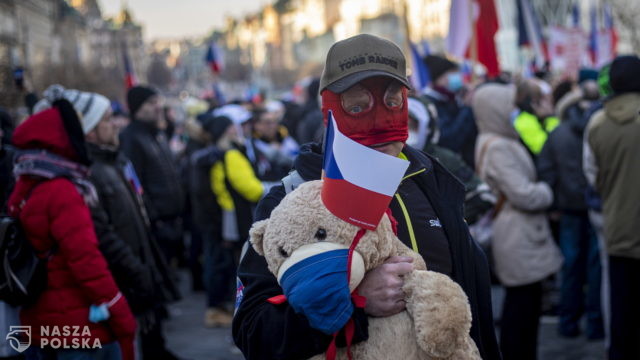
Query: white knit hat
90 107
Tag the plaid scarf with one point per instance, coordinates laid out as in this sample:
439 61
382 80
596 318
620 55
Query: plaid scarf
49 166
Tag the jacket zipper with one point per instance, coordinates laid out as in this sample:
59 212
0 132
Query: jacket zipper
405 213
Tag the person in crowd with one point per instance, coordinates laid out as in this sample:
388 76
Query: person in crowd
6 158
522 247
457 126
594 201
534 119
274 148
561 89
119 116
237 189
207 219
423 134
51 199
369 103
613 138
8 314
121 223
197 140
310 128
560 166
147 148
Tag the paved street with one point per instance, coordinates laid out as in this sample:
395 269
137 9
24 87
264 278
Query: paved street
188 338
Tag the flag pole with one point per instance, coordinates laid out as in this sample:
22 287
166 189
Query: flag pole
474 42
407 34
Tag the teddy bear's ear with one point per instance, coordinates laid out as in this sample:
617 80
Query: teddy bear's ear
256 235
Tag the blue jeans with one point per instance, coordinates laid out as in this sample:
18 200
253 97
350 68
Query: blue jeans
581 267
109 351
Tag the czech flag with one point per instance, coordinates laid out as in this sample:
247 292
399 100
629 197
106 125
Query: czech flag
479 17
607 39
419 71
593 35
359 182
530 32
129 75
214 58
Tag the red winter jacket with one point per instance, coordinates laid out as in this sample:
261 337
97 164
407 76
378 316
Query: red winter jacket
56 217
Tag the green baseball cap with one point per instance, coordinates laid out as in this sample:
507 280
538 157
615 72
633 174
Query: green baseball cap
360 57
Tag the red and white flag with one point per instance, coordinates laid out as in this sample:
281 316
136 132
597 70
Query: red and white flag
474 16
358 182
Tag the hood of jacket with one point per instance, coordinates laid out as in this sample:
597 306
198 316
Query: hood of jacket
45 130
492 106
570 110
623 108
571 98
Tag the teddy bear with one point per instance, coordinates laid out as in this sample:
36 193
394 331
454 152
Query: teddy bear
437 319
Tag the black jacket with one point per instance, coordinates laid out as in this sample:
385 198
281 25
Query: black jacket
458 130
156 167
265 331
560 162
7 181
205 210
123 234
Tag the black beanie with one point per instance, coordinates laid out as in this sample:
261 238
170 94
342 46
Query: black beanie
438 65
136 97
216 127
624 74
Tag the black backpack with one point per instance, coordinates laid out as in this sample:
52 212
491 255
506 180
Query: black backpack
23 275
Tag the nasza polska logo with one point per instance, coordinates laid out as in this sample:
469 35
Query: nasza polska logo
19 337
56 337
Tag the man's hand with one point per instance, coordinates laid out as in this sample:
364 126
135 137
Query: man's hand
382 286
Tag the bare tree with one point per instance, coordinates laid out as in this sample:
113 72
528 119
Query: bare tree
552 12
627 13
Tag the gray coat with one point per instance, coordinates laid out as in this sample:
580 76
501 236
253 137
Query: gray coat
522 247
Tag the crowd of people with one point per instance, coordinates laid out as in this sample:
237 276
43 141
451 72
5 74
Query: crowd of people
531 181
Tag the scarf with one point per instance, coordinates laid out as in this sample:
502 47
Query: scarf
49 166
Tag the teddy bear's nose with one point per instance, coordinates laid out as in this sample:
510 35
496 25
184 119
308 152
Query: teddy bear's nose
321 234
283 252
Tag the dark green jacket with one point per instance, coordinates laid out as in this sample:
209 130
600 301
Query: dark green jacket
613 135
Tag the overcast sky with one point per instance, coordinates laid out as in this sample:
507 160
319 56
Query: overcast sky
178 18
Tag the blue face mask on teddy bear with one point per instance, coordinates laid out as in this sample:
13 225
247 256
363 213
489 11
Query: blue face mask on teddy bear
318 288
316 282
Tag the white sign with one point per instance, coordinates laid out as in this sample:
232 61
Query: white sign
567 48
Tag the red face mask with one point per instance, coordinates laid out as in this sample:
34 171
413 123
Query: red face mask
374 111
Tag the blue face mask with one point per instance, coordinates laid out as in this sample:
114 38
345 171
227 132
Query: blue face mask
317 287
98 313
454 82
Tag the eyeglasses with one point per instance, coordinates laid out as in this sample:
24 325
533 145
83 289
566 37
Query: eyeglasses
358 99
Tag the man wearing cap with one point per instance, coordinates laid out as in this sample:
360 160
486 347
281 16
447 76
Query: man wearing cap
612 136
364 84
148 149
